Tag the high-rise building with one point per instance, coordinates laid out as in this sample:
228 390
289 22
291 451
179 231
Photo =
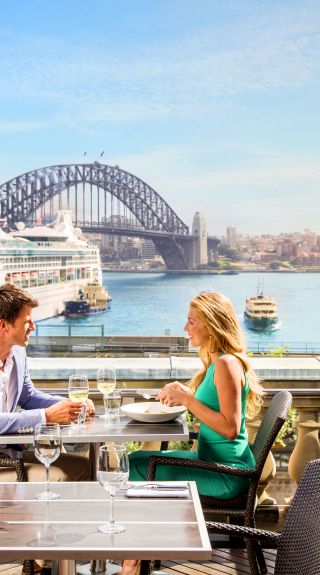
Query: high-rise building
232 237
310 238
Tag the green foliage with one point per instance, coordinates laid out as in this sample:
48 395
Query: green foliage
133 446
277 352
275 265
231 253
287 433
234 255
180 445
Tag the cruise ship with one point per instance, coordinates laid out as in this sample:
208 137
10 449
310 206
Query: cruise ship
261 312
51 262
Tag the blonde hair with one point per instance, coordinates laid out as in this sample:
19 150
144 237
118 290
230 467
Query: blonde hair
217 313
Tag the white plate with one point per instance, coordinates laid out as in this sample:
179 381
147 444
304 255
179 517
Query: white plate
152 411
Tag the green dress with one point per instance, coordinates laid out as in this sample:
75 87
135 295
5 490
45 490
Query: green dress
211 447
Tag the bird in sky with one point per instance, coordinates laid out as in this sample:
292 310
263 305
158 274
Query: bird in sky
85 154
102 153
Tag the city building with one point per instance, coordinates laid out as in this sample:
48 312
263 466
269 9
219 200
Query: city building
232 237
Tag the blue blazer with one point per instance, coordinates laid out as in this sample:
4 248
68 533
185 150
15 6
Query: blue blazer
28 397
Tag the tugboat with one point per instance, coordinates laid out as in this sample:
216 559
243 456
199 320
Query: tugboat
261 312
92 298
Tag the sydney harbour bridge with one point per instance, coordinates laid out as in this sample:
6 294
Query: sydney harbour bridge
106 200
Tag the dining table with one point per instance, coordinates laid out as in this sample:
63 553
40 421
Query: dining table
101 428
65 530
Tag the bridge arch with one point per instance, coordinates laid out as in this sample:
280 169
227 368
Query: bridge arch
22 197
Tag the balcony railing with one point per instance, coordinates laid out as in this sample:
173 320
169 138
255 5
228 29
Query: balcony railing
57 336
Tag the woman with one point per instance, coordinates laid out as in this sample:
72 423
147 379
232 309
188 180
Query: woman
219 395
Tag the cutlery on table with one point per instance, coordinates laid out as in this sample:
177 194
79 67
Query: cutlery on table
158 486
145 395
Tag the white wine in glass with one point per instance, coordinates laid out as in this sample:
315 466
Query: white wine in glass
106 380
47 447
78 390
112 473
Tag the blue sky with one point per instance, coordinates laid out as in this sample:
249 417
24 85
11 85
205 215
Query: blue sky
214 103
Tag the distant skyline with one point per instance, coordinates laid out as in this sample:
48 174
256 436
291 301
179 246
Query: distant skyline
215 104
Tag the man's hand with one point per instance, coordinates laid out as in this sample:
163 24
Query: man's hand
65 411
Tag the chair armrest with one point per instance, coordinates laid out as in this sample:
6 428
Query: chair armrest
246 532
155 460
15 463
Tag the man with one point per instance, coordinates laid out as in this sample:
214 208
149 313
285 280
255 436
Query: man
17 389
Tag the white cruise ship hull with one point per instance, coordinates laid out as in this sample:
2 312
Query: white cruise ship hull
51 298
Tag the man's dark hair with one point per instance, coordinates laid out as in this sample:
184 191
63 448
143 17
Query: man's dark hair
12 300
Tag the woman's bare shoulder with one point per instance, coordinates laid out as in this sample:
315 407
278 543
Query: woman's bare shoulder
228 363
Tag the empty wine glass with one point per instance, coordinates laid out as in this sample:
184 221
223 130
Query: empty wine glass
106 381
78 390
112 473
47 445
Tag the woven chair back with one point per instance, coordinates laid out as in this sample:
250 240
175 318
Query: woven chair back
299 546
272 422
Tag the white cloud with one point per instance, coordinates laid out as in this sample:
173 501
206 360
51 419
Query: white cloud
264 51
15 127
281 195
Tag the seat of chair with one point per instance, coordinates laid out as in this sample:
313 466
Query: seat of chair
235 502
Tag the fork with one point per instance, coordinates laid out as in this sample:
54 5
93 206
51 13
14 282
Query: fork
145 395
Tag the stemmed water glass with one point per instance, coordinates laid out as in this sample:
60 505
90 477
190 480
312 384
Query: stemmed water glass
112 473
106 380
78 390
47 446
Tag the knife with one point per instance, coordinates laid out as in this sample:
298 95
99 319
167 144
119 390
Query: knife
158 486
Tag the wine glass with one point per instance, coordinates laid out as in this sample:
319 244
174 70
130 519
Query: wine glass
47 445
78 390
106 380
112 473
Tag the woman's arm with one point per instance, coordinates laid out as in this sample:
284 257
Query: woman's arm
228 379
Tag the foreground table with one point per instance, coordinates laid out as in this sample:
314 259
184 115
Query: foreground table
66 528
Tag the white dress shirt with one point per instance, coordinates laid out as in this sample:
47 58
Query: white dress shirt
7 394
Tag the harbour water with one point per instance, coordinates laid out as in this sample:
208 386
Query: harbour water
152 304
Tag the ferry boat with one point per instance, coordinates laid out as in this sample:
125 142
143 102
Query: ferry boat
261 312
93 298
51 262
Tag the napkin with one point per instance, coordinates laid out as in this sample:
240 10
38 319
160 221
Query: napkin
178 489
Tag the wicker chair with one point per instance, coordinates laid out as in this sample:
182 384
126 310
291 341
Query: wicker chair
243 507
17 464
298 549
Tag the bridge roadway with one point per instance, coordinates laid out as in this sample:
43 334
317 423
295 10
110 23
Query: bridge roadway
137 231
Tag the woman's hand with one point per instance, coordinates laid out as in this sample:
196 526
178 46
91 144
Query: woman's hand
90 407
174 385
174 393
